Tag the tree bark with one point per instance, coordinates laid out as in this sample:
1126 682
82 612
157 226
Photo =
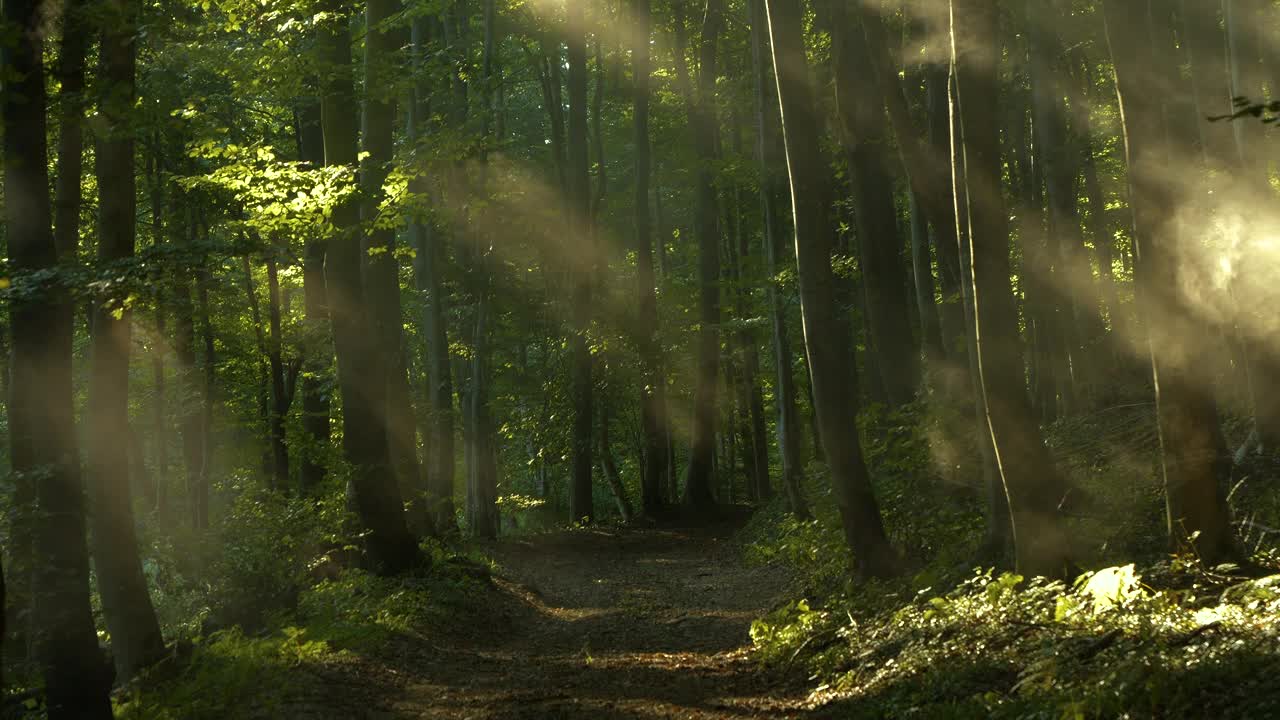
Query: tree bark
1191 459
827 335
579 210
429 261
772 187
67 191
126 604
1032 485
653 404
42 433
279 396
362 378
381 267
698 480
316 345
863 138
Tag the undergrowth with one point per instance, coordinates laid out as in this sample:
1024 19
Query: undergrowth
1144 635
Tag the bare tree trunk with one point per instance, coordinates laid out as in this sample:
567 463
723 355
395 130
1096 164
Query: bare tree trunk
772 186
279 398
1033 486
42 433
699 481
827 335
317 345
381 268
362 379
579 211
429 262
863 137
653 402
126 604
1191 457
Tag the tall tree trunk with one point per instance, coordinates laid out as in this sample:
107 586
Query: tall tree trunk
429 260
317 346
1033 486
699 481
71 101
190 420
155 494
772 187
362 377
482 471
1191 459
925 288
827 335
607 464
1082 330
580 503
263 365
199 493
381 267
279 397
135 633
42 433
653 402
864 140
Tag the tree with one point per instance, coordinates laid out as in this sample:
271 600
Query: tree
863 137
378 252
1191 457
428 268
581 233
772 187
361 373
42 437
126 603
698 480
1034 488
826 335
653 407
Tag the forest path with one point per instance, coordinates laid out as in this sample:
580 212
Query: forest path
610 623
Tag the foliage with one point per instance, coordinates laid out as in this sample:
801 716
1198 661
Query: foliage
1000 646
1160 638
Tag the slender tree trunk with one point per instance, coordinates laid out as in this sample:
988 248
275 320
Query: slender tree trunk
607 463
199 493
1033 486
925 288
699 481
579 210
317 346
279 398
263 365
1082 330
362 378
429 261
42 434
864 139
126 604
772 187
827 335
482 479
1191 458
71 68
653 403
380 265
155 494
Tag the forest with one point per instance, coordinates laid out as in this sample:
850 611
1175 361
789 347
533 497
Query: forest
640 359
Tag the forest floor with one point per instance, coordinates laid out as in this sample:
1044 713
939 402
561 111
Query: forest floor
601 623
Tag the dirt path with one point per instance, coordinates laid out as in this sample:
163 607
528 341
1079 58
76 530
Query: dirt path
649 623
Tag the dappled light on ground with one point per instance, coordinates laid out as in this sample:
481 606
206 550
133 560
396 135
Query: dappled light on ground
597 624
